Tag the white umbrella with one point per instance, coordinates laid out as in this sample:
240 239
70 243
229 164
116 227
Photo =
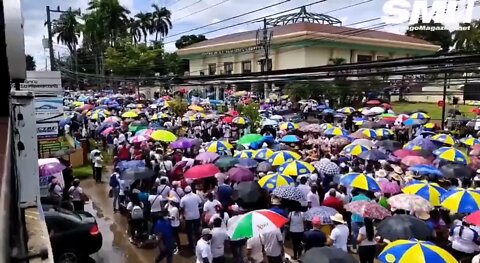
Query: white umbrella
377 110
269 122
276 117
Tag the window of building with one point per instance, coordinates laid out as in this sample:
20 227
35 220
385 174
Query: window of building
246 66
228 68
212 69
382 58
364 58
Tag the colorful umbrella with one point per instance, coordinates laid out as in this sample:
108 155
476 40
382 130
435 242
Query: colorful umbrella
322 212
419 116
346 110
195 108
226 162
443 138
470 141
382 133
429 191
461 200
182 143
409 202
254 223
407 251
373 155
240 120
412 146
360 181
138 139
335 131
129 114
414 160
327 168
473 218
201 171
207 157
290 139
50 169
272 181
163 135
429 126
264 154
455 156
368 209
245 154
355 150
390 187
107 131
370 133
281 157
250 138
112 119
296 168
425 169
288 126
326 126
220 147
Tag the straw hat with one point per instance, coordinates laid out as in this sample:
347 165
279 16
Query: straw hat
423 215
338 218
395 176
275 201
397 169
270 172
381 173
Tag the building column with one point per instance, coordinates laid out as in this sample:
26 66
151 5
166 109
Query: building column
374 55
353 56
237 66
217 92
333 53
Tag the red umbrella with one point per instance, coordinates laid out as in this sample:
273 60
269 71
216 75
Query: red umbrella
476 111
374 102
233 113
202 171
475 151
473 218
227 119
414 160
402 153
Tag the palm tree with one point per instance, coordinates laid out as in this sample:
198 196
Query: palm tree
161 21
113 16
134 30
468 39
145 24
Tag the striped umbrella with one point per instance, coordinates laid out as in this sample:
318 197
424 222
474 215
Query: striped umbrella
296 168
470 141
272 181
453 155
461 200
355 149
240 120
245 154
408 251
370 133
254 224
220 147
288 126
419 116
346 110
430 191
443 138
412 146
335 131
429 126
281 157
263 154
384 132
361 181
326 126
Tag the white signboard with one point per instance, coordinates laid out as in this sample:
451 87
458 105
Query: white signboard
47 129
49 109
47 83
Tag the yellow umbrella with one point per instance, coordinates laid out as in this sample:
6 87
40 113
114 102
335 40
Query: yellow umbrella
163 135
195 108
129 114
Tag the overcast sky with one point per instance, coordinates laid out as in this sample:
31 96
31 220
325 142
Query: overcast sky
189 14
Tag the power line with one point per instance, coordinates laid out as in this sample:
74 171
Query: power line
187 6
199 11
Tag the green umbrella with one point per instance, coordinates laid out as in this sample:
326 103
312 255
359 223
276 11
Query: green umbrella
135 128
226 162
250 138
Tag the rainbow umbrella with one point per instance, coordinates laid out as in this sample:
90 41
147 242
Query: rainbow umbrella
281 157
419 116
409 251
240 120
361 181
384 132
129 114
272 181
163 135
452 155
443 138
263 154
335 131
254 223
288 126
470 141
430 191
370 133
355 149
461 200
218 147
346 110
296 168
245 154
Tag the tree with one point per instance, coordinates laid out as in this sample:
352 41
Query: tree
67 28
337 61
170 63
178 106
188 40
442 38
112 16
144 21
134 30
468 39
161 23
30 62
251 112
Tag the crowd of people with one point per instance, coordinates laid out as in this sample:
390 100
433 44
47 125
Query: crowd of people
357 180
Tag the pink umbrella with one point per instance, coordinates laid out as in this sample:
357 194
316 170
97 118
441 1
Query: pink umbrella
240 174
475 162
207 157
475 151
390 187
402 153
414 160
138 139
201 171
112 119
107 131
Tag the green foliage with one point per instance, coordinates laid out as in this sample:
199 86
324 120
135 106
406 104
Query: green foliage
251 112
30 62
468 39
179 106
188 40
443 38
127 59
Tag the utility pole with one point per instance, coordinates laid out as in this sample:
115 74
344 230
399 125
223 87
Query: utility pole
53 66
444 105
264 40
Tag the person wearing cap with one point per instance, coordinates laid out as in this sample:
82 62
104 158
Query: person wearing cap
190 204
219 240
339 235
314 237
203 251
165 235
174 217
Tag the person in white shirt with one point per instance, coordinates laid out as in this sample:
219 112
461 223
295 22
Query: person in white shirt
273 245
465 241
209 207
219 239
339 236
312 197
203 251
156 206
296 228
163 189
367 244
176 190
220 214
76 192
190 204
98 164
254 250
174 217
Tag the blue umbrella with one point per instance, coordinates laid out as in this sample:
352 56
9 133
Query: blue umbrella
413 122
424 143
247 163
426 169
124 165
290 139
62 123
373 155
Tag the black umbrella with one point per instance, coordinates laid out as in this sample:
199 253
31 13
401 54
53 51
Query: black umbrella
373 155
327 255
136 173
249 195
390 145
457 171
404 227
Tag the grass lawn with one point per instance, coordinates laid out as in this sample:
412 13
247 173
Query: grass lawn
83 172
433 110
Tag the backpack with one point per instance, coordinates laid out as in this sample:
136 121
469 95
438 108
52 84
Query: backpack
137 212
113 181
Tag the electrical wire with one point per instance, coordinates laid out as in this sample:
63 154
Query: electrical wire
200 11
187 6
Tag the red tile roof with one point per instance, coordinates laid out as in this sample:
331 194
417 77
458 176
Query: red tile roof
312 27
